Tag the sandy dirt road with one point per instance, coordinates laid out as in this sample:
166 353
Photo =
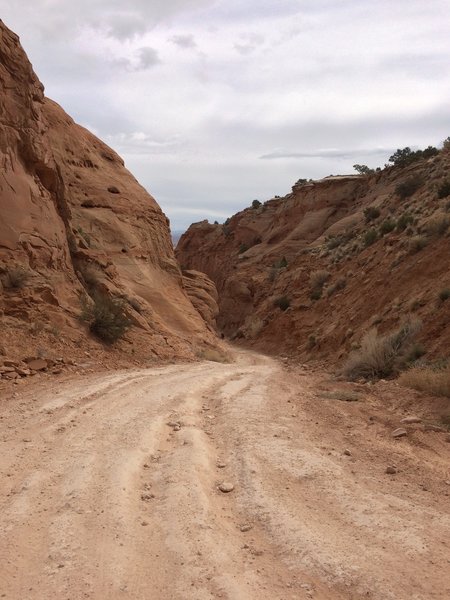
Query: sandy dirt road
103 496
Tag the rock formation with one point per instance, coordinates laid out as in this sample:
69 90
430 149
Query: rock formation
310 273
73 219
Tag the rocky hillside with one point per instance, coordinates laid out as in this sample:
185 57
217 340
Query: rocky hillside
74 226
310 273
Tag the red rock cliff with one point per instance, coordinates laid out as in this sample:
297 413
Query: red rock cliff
70 212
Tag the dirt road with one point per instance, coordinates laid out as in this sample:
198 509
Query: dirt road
109 490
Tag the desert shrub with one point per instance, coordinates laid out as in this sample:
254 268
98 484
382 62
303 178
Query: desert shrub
337 240
312 341
272 274
363 169
444 189
417 243
387 226
90 273
429 152
416 351
243 248
381 356
409 186
333 242
339 285
371 213
89 203
280 264
36 327
370 237
256 204
282 302
430 380
15 277
444 294
405 156
86 237
106 317
438 225
404 220
318 278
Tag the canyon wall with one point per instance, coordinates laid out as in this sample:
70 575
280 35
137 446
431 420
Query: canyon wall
74 219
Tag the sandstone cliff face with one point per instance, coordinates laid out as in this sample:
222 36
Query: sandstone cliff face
299 274
72 217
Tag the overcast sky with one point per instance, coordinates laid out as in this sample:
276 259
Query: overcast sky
215 103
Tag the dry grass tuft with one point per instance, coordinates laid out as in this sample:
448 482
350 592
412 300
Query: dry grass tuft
381 356
318 279
428 380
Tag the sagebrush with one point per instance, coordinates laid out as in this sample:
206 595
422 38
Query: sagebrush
382 355
106 317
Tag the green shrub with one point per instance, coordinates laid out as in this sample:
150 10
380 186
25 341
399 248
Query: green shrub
256 204
312 341
282 302
405 156
106 317
371 213
444 294
316 294
370 237
404 220
387 226
280 264
409 186
444 189
363 169
243 248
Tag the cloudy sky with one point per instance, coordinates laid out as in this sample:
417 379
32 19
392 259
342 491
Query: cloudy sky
213 103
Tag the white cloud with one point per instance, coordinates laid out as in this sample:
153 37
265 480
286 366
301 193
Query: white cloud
184 41
194 92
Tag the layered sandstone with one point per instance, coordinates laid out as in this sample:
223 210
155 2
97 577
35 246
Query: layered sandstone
266 261
73 218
